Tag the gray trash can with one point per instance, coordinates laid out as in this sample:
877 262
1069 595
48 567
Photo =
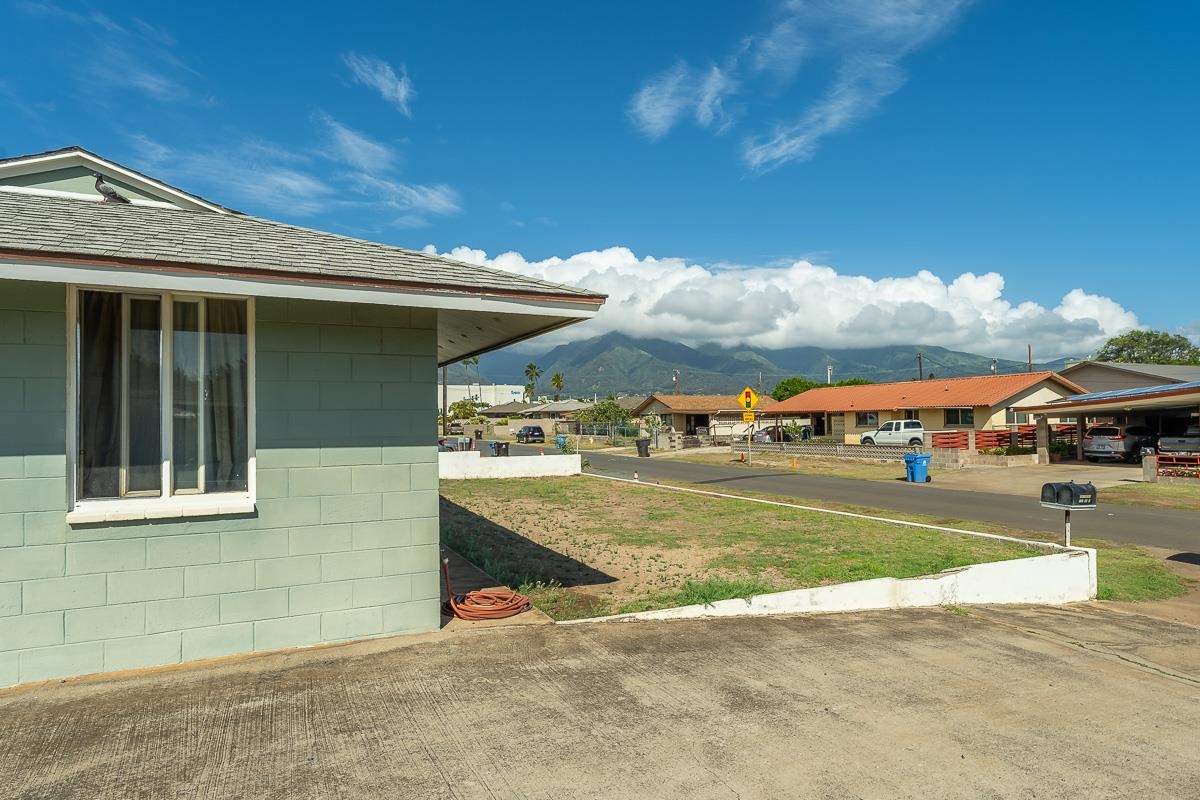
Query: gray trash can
501 448
643 446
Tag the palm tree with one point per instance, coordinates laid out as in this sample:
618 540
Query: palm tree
528 394
467 362
532 372
556 381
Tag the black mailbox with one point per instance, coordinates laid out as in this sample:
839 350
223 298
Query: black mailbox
1069 494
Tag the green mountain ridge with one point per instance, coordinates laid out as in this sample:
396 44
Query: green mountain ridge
619 364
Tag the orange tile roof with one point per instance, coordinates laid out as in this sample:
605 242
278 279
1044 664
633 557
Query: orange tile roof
703 403
984 390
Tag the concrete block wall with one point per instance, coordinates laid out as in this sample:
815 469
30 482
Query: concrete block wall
343 543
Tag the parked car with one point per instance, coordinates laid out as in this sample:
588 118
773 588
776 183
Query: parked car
456 428
530 434
773 433
1120 442
903 432
1187 444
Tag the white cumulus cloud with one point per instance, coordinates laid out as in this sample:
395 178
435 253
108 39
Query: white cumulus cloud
803 303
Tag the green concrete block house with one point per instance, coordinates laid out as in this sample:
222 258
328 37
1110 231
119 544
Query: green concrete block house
217 432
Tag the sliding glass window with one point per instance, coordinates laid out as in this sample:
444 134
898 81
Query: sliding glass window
149 361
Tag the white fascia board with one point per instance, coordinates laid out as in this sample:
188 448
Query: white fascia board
79 159
287 288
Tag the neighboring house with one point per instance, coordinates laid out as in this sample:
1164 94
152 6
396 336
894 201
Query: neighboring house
557 410
506 410
1106 376
981 403
631 404
217 431
699 414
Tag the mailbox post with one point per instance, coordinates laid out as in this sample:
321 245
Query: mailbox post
1069 497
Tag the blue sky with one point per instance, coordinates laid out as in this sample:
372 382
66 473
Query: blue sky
977 175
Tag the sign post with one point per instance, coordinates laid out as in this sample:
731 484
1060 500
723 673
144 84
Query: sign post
748 400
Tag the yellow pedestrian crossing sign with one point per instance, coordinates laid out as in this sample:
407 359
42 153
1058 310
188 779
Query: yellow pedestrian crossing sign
748 399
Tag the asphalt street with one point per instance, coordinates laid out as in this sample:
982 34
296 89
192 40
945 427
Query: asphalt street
1152 527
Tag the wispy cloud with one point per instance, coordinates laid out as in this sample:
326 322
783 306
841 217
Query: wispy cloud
137 57
862 42
378 74
355 149
413 204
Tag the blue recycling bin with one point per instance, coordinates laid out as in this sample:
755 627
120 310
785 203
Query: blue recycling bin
916 467
560 441
493 448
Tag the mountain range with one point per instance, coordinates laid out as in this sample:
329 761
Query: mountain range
618 364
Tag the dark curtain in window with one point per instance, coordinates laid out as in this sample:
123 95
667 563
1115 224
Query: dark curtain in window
99 394
226 375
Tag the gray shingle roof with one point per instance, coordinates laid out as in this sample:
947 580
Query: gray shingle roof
52 225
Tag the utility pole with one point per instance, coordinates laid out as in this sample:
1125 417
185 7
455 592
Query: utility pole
829 373
445 406
760 381
1031 358
920 366
993 366
675 380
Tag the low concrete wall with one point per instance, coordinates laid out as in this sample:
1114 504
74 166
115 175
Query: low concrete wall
469 464
988 460
1065 577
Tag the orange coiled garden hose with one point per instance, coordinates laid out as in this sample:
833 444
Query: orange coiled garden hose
482 605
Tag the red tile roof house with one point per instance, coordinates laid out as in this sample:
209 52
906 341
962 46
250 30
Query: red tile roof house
718 415
217 432
981 403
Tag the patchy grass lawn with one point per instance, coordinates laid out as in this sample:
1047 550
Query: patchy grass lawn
861 469
1158 495
583 547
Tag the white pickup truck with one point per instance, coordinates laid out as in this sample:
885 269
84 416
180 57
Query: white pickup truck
904 432
1187 444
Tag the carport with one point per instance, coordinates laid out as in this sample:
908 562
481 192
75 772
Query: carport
1169 408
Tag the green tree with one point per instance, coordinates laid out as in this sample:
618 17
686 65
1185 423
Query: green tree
464 409
856 382
790 387
532 373
557 382
606 412
1149 347
528 393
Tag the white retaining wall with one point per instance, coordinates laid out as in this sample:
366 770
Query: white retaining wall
469 464
1065 577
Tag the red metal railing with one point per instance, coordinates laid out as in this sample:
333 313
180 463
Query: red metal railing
1179 466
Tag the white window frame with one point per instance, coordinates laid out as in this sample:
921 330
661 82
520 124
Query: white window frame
167 505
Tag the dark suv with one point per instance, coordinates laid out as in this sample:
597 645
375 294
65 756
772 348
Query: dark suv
530 434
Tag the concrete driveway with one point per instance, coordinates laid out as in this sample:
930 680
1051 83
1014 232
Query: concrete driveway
1027 481
1003 703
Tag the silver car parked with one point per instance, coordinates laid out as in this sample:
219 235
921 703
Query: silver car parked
1118 442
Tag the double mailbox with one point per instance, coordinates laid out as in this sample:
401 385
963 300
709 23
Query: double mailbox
1071 494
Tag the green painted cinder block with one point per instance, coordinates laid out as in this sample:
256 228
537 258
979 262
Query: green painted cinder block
320 597
381 591
45 527
285 458
288 337
350 456
412 454
143 651
320 539
45 327
45 466
318 366
385 533
12 394
271 366
344 566
247 545
284 395
424 477
271 309
219 640
315 311
381 316
274 634
426 585
418 558
106 622
106 556
382 478
32 361
409 342
56 594
12 327
33 494
349 339
290 512
246 606
184 550
380 368
32 296
272 483
351 624
146 584
408 505
218 578
350 396
292 571
12 530
425 530
351 508
47 663
10 599
45 394
412 617
317 481
10 671
185 612
31 630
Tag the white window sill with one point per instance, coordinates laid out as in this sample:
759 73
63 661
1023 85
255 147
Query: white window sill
134 509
